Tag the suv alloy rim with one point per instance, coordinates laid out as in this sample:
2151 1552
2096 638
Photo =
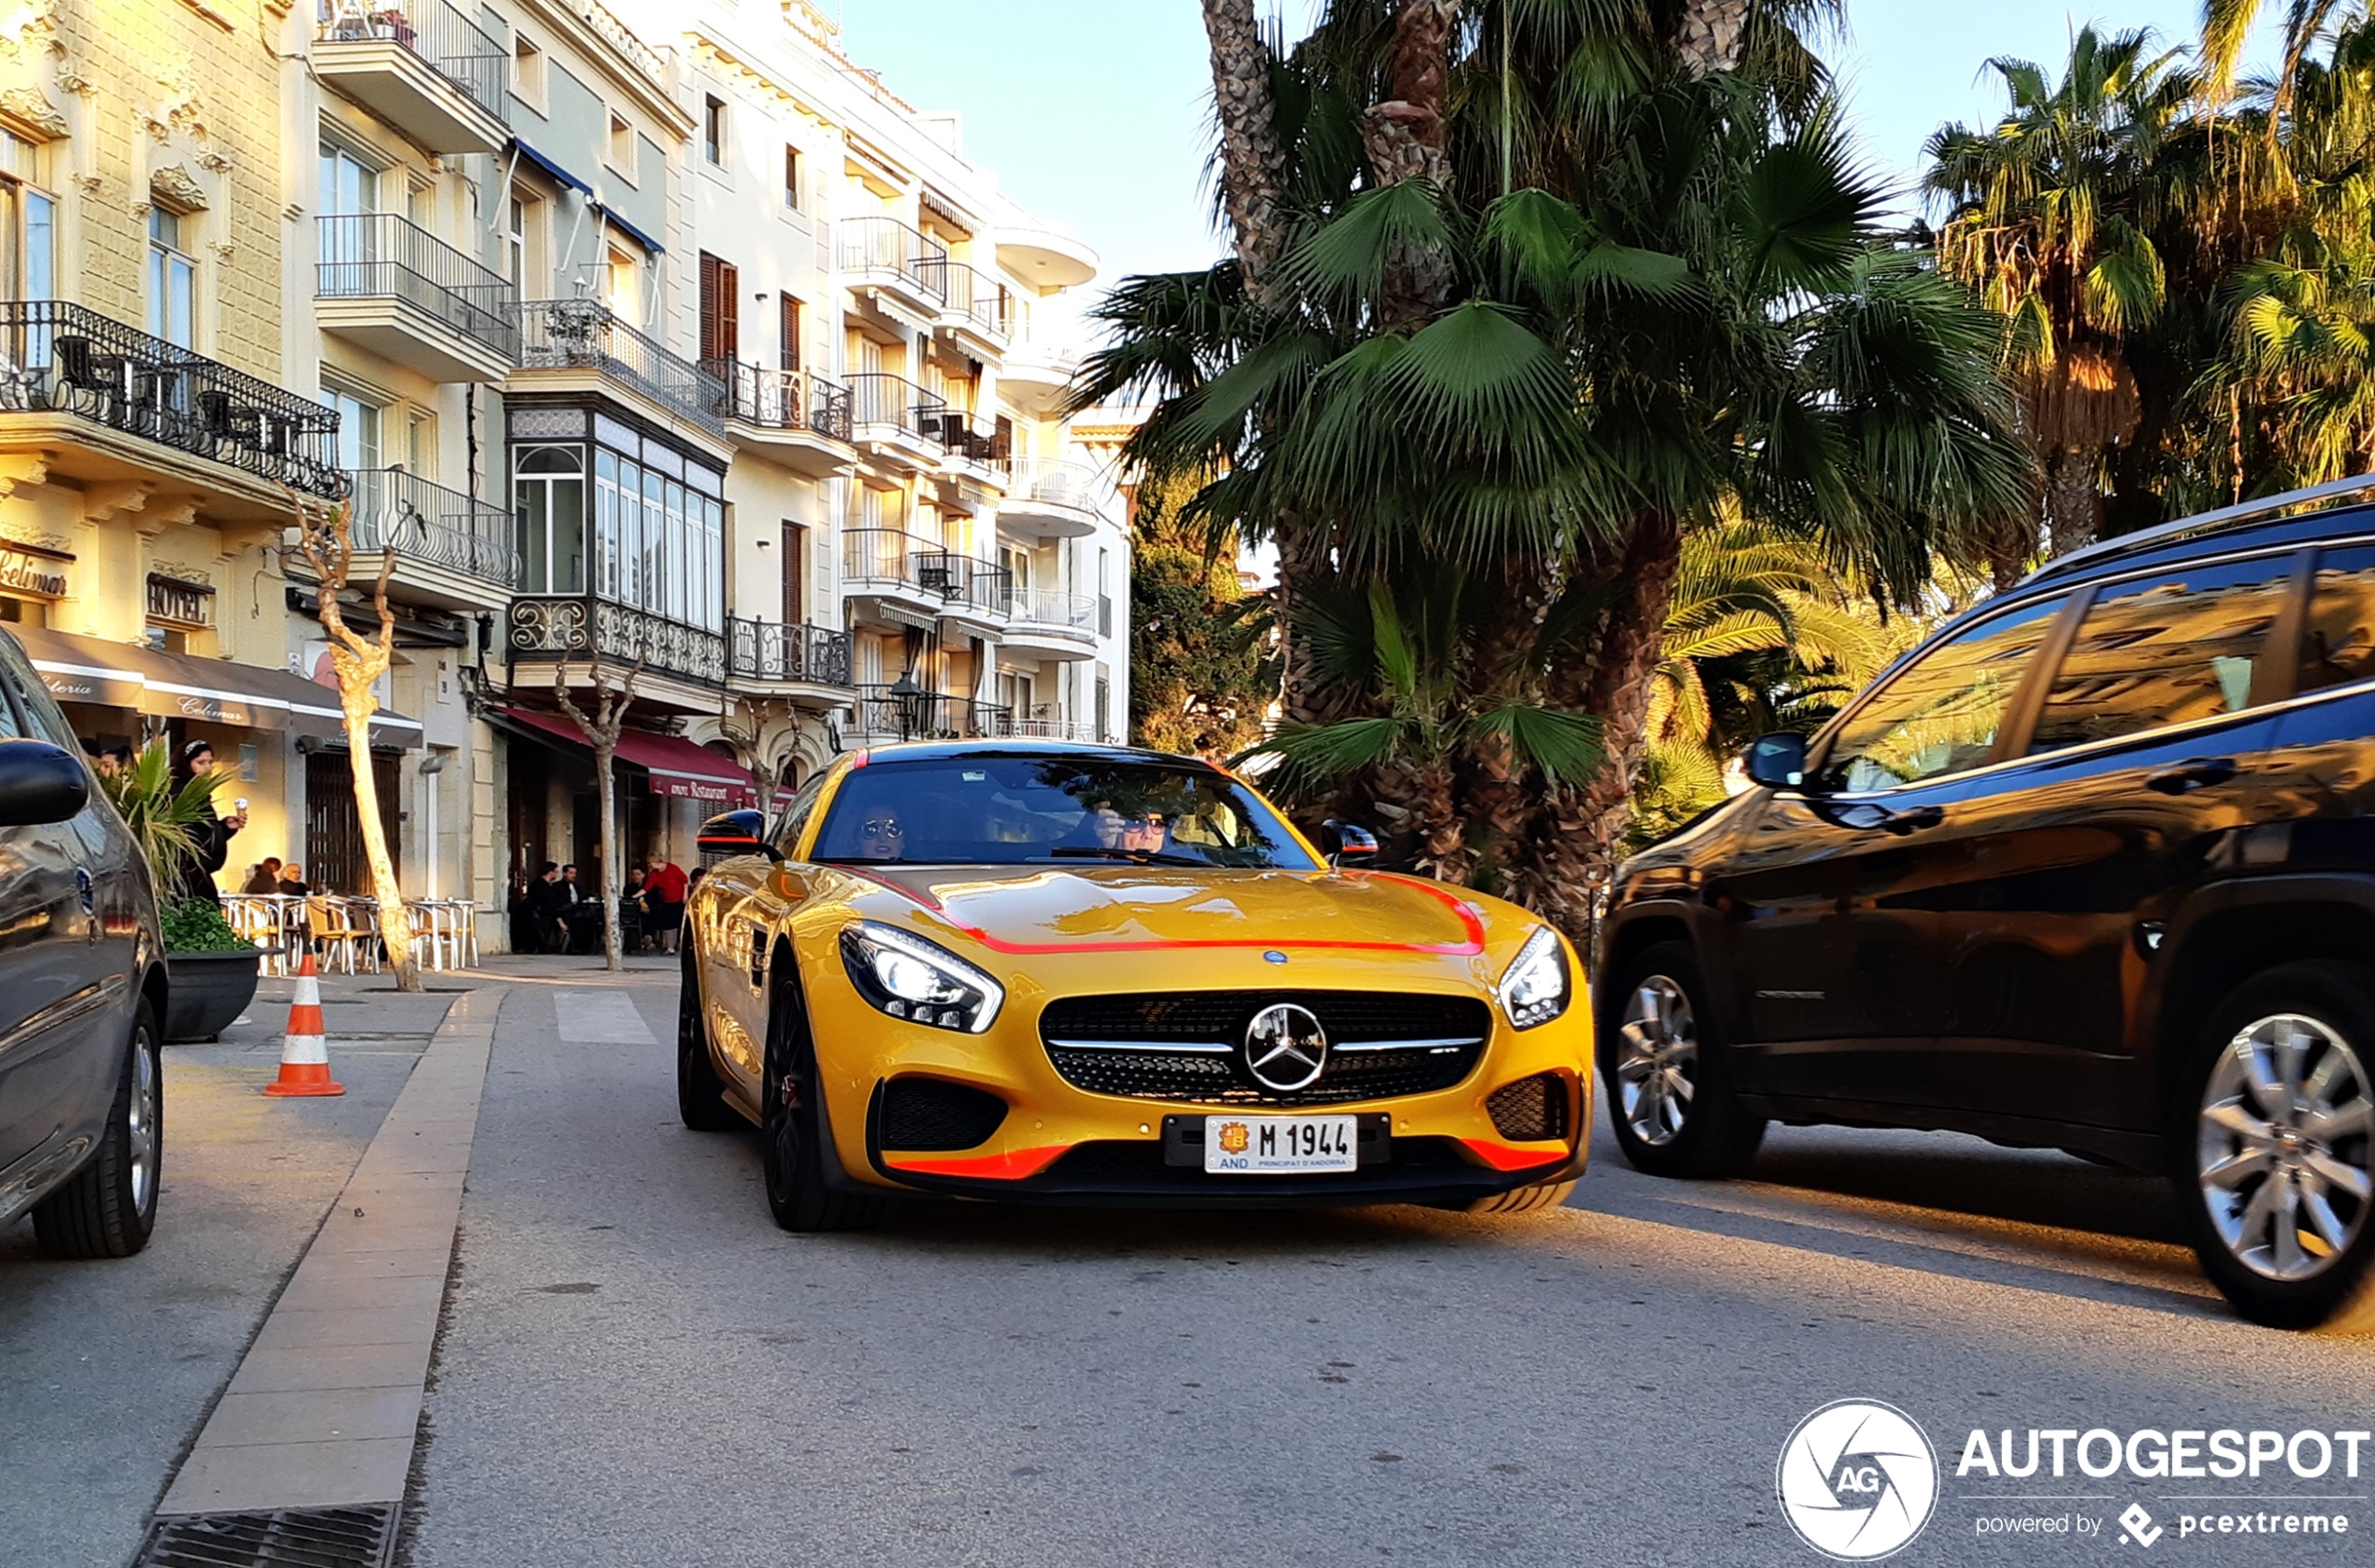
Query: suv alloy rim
1658 1061
2283 1146
141 1120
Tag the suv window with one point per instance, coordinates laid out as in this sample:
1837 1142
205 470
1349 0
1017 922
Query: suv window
2338 643
1943 712
2181 645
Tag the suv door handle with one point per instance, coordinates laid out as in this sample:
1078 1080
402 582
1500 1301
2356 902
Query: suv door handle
2195 772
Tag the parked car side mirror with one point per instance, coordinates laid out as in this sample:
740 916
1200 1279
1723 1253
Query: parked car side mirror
40 783
743 832
1777 761
1344 841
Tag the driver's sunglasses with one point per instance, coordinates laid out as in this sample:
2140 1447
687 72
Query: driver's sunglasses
880 828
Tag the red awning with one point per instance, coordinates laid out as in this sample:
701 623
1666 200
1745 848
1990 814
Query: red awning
677 767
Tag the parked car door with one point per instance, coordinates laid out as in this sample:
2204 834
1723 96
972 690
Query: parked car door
2322 814
1825 924
2046 880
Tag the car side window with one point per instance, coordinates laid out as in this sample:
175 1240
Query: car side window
1942 713
32 698
2337 638
2181 645
793 821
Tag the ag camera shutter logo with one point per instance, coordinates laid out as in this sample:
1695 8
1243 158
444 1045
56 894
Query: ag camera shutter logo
1857 1480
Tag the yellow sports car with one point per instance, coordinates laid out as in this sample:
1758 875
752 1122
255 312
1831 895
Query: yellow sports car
1085 974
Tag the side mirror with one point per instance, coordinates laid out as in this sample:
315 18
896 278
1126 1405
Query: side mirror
40 783
743 832
1344 841
1777 761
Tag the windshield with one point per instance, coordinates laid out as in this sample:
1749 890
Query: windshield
1016 811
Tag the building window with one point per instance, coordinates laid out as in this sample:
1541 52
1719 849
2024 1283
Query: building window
713 131
28 225
358 430
625 293
548 503
791 179
721 309
173 281
622 147
515 248
787 329
527 70
349 185
795 573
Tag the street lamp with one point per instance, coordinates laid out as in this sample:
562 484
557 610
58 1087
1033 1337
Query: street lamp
909 698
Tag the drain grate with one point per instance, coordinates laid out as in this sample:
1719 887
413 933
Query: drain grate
361 1537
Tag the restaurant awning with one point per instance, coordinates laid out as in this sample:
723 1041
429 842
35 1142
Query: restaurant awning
185 687
677 767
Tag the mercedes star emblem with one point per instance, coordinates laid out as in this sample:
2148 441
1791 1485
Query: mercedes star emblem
1286 1048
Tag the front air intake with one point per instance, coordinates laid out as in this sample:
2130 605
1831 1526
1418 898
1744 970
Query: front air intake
1530 1109
930 1113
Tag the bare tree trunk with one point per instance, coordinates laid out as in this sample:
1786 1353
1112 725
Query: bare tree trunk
601 731
1252 167
2073 501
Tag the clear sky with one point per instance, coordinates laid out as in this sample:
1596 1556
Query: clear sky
1093 113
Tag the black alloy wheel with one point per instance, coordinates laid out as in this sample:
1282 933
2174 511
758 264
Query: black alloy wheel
1668 1077
792 1151
701 1098
108 1208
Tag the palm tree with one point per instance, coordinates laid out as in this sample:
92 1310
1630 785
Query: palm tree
2051 213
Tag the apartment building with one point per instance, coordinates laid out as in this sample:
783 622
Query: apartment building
681 352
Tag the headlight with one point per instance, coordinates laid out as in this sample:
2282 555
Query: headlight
1534 988
910 978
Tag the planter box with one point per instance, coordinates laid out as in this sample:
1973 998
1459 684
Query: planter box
206 991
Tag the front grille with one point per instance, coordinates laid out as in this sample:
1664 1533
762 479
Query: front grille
921 1113
1530 1109
1131 1044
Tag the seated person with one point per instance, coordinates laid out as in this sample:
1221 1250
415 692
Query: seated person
881 838
1144 833
267 878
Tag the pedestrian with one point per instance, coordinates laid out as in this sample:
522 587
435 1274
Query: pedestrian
209 836
267 876
664 888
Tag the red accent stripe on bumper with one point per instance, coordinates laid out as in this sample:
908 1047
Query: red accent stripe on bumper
1010 1166
1505 1156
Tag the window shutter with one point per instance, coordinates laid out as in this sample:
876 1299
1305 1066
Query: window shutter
788 331
711 266
729 305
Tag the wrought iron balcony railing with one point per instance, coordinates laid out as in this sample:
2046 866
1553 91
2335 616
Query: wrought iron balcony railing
964 581
928 715
781 650
424 521
446 41
59 356
956 433
782 399
376 255
880 555
575 628
880 402
972 292
1046 608
1044 724
887 245
582 333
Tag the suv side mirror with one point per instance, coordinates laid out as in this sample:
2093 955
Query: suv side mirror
40 783
1777 761
1344 841
743 832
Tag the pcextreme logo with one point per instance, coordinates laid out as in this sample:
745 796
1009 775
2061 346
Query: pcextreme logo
1857 1480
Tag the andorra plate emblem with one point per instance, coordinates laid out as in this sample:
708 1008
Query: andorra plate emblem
1235 1137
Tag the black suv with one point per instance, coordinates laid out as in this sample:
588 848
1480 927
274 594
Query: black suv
82 984
2093 869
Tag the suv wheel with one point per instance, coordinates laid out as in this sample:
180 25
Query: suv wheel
108 1208
1669 1080
2272 1150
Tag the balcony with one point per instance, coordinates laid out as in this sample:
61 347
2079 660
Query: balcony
803 420
1036 378
1052 625
1050 498
1045 722
581 336
904 271
575 628
780 652
450 551
418 64
975 595
976 309
401 292
883 714
106 403
893 419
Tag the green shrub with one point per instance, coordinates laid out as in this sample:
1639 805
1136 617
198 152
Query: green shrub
196 925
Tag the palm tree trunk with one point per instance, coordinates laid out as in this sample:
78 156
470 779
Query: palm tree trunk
1252 168
2073 501
1709 37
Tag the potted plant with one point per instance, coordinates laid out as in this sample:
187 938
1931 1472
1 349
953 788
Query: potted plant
211 968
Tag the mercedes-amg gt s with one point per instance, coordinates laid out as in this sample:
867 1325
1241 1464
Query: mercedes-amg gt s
1082 975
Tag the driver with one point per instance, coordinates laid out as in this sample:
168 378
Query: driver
1144 833
881 838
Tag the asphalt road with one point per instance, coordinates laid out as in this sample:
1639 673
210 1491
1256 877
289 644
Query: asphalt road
640 1368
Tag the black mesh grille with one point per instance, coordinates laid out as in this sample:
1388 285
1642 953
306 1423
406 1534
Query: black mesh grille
929 1114
1220 1017
295 1538
1530 1108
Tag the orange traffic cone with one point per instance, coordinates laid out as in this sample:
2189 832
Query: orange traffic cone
305 1058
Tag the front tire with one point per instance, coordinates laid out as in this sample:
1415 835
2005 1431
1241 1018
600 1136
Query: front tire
1669 1078
701 1098
792 1138
108 1208
1523 1199
2270 1145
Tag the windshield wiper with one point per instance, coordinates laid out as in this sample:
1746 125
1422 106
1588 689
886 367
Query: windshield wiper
1131 857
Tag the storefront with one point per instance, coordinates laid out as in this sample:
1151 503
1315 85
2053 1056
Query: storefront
664 786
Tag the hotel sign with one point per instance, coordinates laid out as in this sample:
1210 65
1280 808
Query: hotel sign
31 570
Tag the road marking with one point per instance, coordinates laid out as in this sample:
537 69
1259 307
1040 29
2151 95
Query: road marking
599 1018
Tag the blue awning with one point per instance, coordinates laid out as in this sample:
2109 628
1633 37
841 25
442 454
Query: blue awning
548 166
610 215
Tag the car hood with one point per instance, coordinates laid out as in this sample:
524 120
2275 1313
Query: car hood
1043 909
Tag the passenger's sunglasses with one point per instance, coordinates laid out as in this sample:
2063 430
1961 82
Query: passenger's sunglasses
879 828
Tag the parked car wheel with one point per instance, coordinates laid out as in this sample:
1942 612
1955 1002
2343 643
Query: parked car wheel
792 1136
2274 1144
108 1208
700 1099
1668 1078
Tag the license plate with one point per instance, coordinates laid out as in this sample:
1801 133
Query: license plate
1279 1146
